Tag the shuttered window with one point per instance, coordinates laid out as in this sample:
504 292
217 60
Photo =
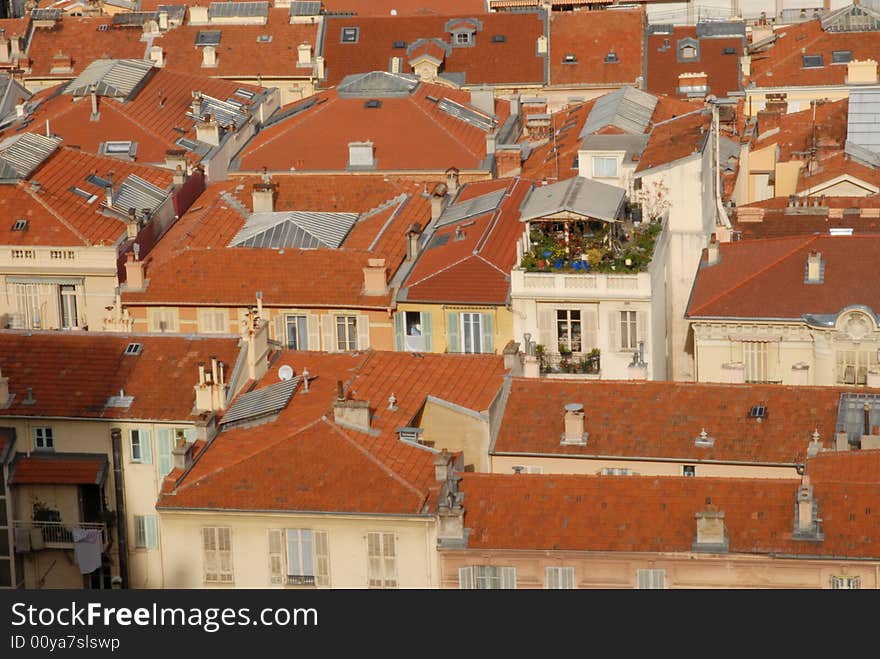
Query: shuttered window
141 447
299 557
846 583
146 531
162 319
560 578
651 579
213 321
382 560
487 577
217 546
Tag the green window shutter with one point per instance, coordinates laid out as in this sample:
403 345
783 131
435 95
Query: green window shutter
398 330
487 342
453 344
151 531
164 444
146 447
426 317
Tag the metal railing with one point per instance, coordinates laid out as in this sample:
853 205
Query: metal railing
570 363
59 534
300 580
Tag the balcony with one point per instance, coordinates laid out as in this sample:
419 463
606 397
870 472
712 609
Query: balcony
570 365
57 535
300 580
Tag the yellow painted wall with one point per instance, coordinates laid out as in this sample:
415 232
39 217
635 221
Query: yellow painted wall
502 322
457 431
787 177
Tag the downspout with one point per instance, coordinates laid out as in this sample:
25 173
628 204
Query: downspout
121 528
723 219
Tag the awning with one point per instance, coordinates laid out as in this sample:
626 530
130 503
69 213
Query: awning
58 469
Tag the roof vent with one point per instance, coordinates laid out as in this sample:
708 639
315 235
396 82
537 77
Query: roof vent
758 412
373 103
611 58
704 440
499 38
133 349
29 399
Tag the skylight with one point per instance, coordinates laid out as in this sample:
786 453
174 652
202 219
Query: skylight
758 412
88 196
611 58
20 225
570 58
208 38
133 349
499 38
349 35
399 44
813 61
841 56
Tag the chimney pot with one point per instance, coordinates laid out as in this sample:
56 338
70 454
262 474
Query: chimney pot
574 425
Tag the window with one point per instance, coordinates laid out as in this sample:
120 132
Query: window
846 583
755 358
133 349
487 577
146 531
560 578
213 321
688 470
68 307
349 35
462 38
382 560
628 330
841 56
604 167
44 438
217 546
162 319
812 61
413 331
297 332
651 579
298 557
569 58
611 58
20 225
470 332
688 52
853 366
141 449
346 333
568 329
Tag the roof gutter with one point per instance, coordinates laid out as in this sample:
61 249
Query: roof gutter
793 465
333 513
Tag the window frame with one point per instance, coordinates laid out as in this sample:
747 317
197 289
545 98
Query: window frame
598 170
349 35
845 582
382 565
474 335
41 435
651 577
67 307
146 532
217 575
628 329
563 575
348 323
301 326
487 577
568 323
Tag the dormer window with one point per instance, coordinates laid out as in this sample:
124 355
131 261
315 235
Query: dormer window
349 35
688 52
463 31
463 38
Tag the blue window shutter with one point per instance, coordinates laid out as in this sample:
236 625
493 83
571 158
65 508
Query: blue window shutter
487 343
146 447
453 344
398 330
426 330
164 444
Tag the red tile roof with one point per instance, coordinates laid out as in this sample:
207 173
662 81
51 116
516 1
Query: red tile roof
833 167
644 514
590 36
409 133
781 220
57 216
675 139
746 282
239 53
513 61
845 467
406 7
781 65
797 131
58 469
662 420
304 461
475 269
80 39
74 374
663 65
155 118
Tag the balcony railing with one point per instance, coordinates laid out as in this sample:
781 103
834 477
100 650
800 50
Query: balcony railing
573 364
300 580
58 535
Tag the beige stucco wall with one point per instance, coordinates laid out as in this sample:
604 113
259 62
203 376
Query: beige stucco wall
683 570
798 97
841 188
787 174
457 430
347 542
504 464
502 322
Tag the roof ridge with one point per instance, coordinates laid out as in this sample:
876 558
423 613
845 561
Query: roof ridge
489 263
55 214
756 273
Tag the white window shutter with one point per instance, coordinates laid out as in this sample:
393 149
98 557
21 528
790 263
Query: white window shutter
276 557
281 329
224 550
466 578
487 339
453 343
588 328
209 547
390 563
642 330
547 328
329 332
165 442
363 332
426 319
398 330
140 531
151 526
322 559
508 577
567 580
374 558
314 333
614 329
146 447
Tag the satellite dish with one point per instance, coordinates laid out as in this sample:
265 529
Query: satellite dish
285 372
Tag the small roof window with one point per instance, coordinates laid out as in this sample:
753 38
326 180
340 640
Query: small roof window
841 56
813 61
20 225
350 34
133 349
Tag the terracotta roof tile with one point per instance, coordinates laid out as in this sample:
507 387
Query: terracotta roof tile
745 283
663 419
797 130
830 168
779 219
406 7
74 374
845 467
675 139
513 61
58 469
590 36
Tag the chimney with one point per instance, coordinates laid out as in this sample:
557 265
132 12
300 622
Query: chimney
108 195
514 104
20 110
451 533
508 161
768 120
304 54
443 466
711 534
157 56
198 15
15 47
263 197
208 131
93 92
256 336
5 54
354 414
360 155
712 252
179 176
542 45
861 72
490 142
163 20
132 226
211 387
483 99
175 158
800 374
181 453
319 67
4 390
452 180
806 517
412 242
574 425
439 197
134 273
375 277
841 441
209 57
815 268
